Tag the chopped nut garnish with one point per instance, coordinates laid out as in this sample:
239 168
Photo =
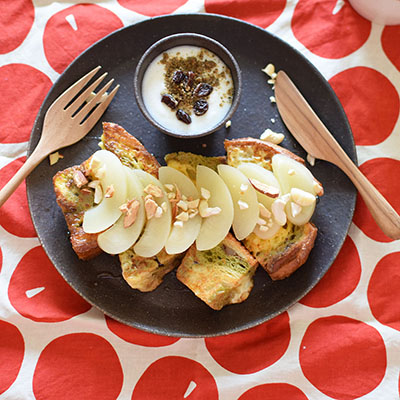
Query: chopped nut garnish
182 205
98 191
243 187
270 136
79 179
272 99
171 195
295 208
54 157
261 221
243 205
228 124
151 207
268 190
301 197
278 211
159 212
183 216
273 120
169 187
291 172
205 194
179 224
210 211
310 159
193 203
193 212
86 191
153 190
270 70
264 212
109 192
130 209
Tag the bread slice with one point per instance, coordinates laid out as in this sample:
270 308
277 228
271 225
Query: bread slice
289 248
74 201
220 276
188 162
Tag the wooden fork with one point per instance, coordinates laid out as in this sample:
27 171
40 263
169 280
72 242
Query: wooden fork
316 139
65 123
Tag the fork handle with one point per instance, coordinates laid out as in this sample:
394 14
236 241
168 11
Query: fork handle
383 213
9 188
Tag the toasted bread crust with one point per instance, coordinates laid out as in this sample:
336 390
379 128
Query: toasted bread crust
294 257
117 140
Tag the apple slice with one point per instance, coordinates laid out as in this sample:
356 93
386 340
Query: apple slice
117 239
292 174
157 230
214 228
244 197
181 237
255 171
102 216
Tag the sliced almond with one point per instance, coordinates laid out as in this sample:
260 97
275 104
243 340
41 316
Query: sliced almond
295 209
169 187
79 179
54 157
264 212
193 204
310 159
98 191
291 172
269 70
318 188
150 207
159 212
301 197
278 211
153 190
193 212
109 191
182 205
130 209
205 194
261 221
268 190
183 216
243 188
210 211
179 224
273 137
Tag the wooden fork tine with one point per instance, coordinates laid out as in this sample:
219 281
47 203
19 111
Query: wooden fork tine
84 95
92 103
73 90
98 112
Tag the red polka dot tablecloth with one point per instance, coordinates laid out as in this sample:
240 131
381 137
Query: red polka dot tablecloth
341 341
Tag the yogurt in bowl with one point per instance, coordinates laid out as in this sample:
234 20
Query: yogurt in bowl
187 85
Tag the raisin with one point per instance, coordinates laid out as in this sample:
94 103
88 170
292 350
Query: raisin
183 116
203 90
169 101
189 80
178 76
200 107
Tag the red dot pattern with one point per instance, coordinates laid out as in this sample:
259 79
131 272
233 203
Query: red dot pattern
38 292
383 290
12 349
338 351
73 30
263 345
383 173
273 391
258 12
78 366
390 39
152 8
16 19
373 116
155 383
339 33
340 280
135 336
73 353
23 90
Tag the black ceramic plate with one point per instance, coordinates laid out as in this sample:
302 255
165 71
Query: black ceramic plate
172 309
